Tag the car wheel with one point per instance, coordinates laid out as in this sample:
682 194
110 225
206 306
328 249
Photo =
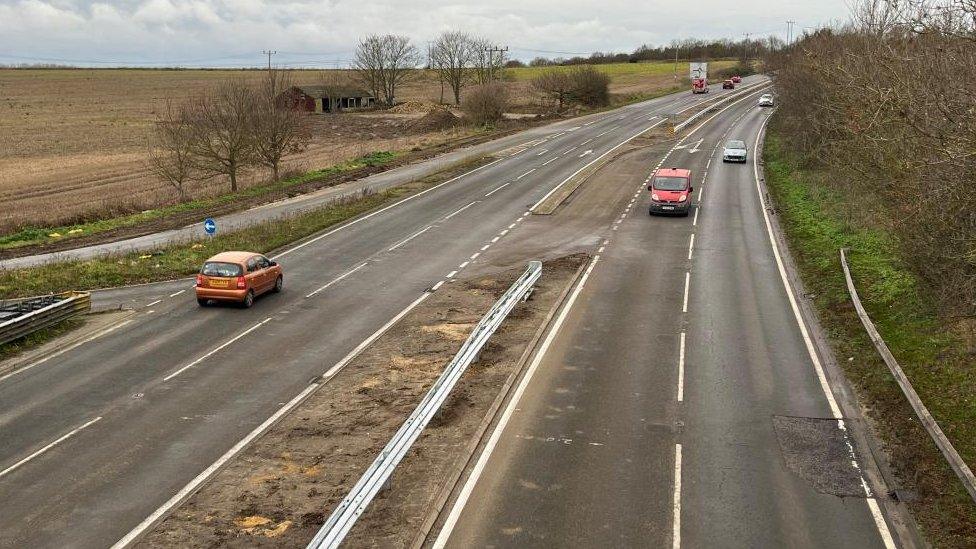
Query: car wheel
278 283
203 302
248 299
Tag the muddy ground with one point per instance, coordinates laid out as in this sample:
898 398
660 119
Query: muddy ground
279 491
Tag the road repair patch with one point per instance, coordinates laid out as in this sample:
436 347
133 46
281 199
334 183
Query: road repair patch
281 489
817 450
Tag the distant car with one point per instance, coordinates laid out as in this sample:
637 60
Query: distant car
735 151
237 277
670 191
737 79
728 84
766 100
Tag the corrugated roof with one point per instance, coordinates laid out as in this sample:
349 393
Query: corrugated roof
319 92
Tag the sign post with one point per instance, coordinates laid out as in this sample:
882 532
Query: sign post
210 226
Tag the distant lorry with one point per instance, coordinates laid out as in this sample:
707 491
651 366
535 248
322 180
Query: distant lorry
699 77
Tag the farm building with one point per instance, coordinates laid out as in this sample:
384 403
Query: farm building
326 98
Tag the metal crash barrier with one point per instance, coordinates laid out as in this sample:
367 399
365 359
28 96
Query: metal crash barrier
21 317
376 476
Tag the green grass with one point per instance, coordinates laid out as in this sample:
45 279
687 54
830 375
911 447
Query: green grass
185 259
935 359
648 68
38 338
41 235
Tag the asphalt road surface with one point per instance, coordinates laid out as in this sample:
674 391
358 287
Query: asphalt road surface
94 440
679 402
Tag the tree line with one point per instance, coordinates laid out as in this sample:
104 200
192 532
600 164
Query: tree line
687 49
884 105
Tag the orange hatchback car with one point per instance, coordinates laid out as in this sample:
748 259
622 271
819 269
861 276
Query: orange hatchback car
237 276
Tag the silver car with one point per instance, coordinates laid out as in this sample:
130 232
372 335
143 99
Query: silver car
735 151
766 100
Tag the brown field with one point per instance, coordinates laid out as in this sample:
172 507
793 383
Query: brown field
73 141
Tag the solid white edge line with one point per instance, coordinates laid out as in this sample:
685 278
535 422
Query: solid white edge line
342 276
197 481
47 447
409 238
873 507
684 306
681 369
214 351
468 488
381 210
68 348
588 164
376 335
676 502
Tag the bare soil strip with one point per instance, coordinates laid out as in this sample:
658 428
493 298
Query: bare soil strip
279 491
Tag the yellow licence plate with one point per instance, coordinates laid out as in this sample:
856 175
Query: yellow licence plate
219 282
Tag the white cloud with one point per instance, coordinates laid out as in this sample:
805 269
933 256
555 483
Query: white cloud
235 31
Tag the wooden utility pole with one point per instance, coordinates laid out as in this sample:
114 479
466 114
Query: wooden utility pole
491 59
269 53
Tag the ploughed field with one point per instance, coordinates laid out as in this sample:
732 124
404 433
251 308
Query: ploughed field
73 142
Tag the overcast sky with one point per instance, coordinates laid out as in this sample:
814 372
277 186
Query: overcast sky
319 33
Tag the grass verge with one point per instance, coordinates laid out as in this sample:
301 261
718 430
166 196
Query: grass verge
42 235
184 259
38 338
938 361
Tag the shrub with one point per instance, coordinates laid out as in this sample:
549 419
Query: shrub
486 104
590 87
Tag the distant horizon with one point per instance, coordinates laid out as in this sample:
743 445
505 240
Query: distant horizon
230 35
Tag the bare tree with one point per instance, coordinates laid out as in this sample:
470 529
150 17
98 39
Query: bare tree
278 129
452 56
383 63
222 131
555 85
370 64
170 153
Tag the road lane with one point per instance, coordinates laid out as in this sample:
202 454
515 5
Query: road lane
681 356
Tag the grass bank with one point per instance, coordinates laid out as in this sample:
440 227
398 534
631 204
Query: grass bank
936 357
31 236
184 259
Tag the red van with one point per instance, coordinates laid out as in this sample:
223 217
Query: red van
670 191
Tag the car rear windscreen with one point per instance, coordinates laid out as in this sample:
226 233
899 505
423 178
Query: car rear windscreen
670 183
219 268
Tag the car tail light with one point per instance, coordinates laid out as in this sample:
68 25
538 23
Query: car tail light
241 283
199 280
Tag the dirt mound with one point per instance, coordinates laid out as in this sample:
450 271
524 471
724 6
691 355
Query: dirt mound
412 107
437 119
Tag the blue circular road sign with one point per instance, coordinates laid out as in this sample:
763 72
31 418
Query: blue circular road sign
210 225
